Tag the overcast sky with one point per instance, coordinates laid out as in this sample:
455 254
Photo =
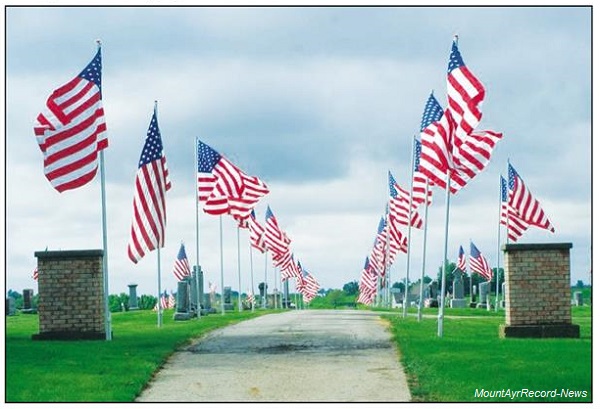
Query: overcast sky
319 103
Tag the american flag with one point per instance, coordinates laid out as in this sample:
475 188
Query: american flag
399 204
479 264
515 227
420 184
525 206
257 239
35 274
367 285
223 188
149 207
171 301
181 269
71 129
276 240
250 297
310 286
452 143
163 301
461 263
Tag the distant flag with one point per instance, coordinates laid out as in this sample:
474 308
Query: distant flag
310 286
367 285
250 297
149 207
275 239
171 301
479 264
257 238
515 226
71 129
461 263
223 188
420 181
181 269
399 204
35 274
164 302
524 205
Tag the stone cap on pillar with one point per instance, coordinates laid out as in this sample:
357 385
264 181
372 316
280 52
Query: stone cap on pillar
68 254
536 246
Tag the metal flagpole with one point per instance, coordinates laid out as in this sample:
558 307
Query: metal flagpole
275 304
221 242
251 276
239 272
387 264
440 331
159 309
410 205
498 249
107 316
199 269
420 313
265 283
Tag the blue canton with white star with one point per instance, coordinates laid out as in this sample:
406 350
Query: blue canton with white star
417 154
432 113
93 71
456 60
207 158
503 194
511 177
153 147
392 182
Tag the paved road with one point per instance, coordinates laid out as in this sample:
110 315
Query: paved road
297 356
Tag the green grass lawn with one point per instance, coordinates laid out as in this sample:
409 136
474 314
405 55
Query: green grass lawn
98 371
471 357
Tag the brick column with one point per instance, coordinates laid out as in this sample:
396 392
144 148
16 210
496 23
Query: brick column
538 291
71 295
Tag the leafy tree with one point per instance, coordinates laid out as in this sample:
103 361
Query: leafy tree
147 302
351 288
399 285
449 276
579 284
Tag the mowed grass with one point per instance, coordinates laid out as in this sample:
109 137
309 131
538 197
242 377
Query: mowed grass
470 356
98 371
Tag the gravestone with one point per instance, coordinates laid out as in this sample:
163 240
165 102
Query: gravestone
397 297
503 302
578 298
543 270
193 292
11 309
431 295
484 290
204 308
227 305
28 302
133 301
458 292
182 312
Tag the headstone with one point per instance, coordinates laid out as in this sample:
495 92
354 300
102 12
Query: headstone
133 301
397 297
182 308
431 295
193 281
200 280
10 306
578 298
484 290
503 302
458 293
227 305
28 301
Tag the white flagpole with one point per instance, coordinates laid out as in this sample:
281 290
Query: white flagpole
197 230
410 205
498 248
251 275
440 331
221 242
387 265
107 316
275 302
239 272
420 313
159 309
265 283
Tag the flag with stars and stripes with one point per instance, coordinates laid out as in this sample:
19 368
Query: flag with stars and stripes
71 129
257 233
515 227
522 206
181 269
479 264
223 188
149 204
421 189
276 241
461 263
399 205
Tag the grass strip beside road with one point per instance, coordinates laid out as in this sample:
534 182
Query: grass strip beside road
471 357
98 371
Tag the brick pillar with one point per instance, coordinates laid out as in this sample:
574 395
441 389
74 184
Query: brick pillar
538 291
71 295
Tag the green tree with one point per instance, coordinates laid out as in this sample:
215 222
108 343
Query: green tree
147 302
399 285
351 288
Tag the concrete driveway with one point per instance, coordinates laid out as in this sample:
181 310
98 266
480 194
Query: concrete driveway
297 356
